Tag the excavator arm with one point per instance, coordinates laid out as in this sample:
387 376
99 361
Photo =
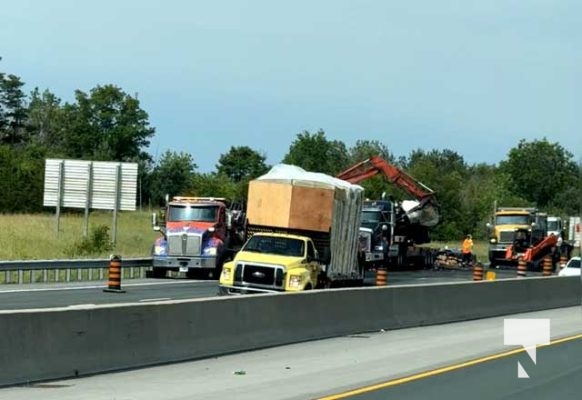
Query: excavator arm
377 165
427 212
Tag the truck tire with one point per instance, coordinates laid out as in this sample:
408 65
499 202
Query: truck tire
158 273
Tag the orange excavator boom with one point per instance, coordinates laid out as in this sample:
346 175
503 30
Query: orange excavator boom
377 165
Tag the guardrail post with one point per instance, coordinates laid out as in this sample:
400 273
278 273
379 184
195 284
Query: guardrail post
41 271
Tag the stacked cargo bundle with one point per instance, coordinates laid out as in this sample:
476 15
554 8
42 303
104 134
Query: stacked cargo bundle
327 209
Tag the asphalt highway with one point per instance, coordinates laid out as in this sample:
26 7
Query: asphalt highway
27 296
556 375
76 294
326 369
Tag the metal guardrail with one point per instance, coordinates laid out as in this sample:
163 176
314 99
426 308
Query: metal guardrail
86 269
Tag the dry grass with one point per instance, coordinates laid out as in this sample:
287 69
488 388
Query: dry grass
33 236
26 237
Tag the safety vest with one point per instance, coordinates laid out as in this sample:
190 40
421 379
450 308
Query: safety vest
467 245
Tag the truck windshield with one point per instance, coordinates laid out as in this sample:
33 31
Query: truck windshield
371 216
280 246
553 226
512 220
190 213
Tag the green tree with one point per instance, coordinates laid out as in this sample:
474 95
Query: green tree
539 170
569 201
316 153
106 124
21 178
215 185
44 123
241 164
172 175
483 186
12 109
376 186
445 172
364 149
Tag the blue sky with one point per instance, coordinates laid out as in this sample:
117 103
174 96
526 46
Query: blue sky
471 76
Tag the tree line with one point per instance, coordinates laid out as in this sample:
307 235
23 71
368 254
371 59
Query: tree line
107 124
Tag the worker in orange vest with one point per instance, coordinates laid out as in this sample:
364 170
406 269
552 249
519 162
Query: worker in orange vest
467 250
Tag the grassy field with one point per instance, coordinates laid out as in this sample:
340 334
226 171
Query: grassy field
33 236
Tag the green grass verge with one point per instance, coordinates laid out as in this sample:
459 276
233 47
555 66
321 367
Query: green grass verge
27 236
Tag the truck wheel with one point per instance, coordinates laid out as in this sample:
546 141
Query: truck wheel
158 273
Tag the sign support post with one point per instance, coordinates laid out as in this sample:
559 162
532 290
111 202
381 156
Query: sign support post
116 205
59 196
88 198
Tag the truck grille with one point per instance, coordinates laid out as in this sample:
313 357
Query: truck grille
365 241
506 236
259 275
184 244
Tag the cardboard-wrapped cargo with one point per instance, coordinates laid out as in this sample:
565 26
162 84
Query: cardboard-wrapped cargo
290 205
290 198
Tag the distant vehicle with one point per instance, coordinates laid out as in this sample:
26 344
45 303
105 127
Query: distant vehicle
572 268
555 226
520 232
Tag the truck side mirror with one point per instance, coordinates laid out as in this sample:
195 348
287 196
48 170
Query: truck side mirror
488 225
229 220
155 221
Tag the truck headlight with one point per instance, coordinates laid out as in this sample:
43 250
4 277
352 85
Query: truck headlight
295 281
210 251
159 250
379 248
493 240
226 274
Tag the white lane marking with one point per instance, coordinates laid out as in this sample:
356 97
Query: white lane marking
103 286
159 299
81 306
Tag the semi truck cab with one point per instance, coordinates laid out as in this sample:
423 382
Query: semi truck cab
272 262
194 235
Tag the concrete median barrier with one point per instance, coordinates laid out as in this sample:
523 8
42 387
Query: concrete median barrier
50 344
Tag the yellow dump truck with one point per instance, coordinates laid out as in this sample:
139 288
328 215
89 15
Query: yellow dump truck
507 222
302 232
